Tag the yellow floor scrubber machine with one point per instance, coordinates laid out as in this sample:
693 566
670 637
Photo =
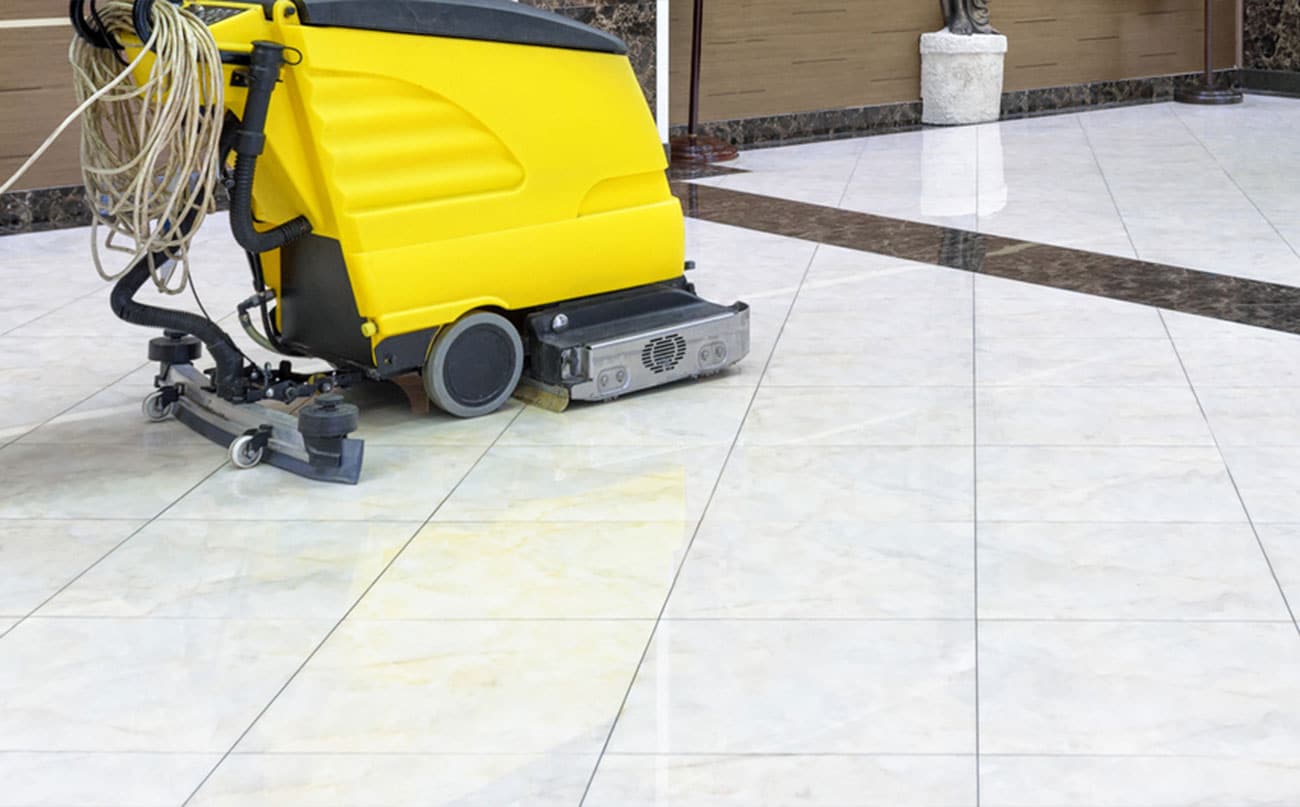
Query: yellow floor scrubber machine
470 190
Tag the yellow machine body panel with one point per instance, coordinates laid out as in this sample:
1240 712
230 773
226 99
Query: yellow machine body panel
458 174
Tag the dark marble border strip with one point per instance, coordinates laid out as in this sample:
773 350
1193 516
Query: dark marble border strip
686 171
36 211
1271 82
832 124
1249 302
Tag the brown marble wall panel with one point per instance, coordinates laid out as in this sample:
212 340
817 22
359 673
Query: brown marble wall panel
1271 35
633 21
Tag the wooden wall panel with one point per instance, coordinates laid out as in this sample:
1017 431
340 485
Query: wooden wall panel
767 57
28 9
35 95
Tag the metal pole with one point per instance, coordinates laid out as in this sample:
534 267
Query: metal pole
692 147
1209 43
1206 93
697 36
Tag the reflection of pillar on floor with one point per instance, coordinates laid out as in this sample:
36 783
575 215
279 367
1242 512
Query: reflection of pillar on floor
992 175
962 172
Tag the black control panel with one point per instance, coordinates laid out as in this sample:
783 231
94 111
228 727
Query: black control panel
211 15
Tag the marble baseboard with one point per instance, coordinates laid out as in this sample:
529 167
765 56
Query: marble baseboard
1271 82
802 127
43 209
36 211
832 124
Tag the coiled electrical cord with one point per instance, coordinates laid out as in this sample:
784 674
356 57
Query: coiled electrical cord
149 151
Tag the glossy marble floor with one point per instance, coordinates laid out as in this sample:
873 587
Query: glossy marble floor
944 539
1203 188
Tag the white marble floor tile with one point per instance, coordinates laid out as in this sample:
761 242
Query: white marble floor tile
113 417
1152 781
37 558
1265 257
586 484
1282 542
860 275
240 570
1271 360
938 362
1035 312
456 687
698 413
774 687
100 779
1105 484
1118 416
1184 327
99 361
808 416
823 313
397 780
1187 688
1076 362
815 190
1268 478
543 570
1252 416
84 481
827 570
387 420
845 483
1125 571
399 483
140 685
805 781
23 408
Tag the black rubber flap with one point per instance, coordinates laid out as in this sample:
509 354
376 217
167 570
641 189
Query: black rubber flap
489 20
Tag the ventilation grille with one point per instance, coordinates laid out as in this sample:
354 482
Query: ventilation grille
663 353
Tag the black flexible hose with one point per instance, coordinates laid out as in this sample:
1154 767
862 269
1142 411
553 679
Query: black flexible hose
264 72
230 362
97 37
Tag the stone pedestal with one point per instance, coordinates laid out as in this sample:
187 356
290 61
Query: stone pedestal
961 77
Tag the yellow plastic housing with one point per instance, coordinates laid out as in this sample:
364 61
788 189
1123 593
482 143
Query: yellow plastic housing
460 174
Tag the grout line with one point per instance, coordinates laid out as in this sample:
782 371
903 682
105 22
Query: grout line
864 620
113 549
975 507
1119 214
294 675
1235 487
1236 184
645 652
848 186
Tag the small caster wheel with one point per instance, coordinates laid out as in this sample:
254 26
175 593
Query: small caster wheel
156 407
245 453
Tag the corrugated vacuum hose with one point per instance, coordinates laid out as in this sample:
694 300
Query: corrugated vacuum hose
149 151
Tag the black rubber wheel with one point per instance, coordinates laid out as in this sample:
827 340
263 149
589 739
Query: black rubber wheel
329 416
474 365
175 349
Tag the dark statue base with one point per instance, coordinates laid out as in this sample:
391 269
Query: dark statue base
1208 96
700 149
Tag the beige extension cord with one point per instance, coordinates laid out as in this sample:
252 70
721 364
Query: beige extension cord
149 152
